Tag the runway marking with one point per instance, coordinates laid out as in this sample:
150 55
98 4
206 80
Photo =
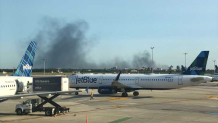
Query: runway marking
117 106
118 98
212 96
120 120
99 109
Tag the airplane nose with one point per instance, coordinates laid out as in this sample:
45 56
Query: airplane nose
208 79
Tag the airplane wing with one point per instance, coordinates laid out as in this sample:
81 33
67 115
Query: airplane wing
35 94
117 84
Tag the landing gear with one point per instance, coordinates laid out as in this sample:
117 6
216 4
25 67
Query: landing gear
135 93
76 93
124 94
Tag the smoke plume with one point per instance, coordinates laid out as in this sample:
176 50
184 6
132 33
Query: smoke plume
64 45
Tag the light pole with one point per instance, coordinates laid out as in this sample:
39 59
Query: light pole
44 65
152 60
214 66
185 59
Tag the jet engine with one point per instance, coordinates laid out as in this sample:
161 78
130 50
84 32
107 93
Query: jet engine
106 90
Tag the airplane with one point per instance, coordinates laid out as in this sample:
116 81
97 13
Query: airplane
11 85
216 69
111 84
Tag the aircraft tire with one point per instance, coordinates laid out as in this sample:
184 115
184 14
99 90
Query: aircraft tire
124 94
135 93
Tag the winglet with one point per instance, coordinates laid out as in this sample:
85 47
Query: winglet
115 82
26 63
118 76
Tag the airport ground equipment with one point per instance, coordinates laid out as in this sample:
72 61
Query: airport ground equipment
48 84
37 105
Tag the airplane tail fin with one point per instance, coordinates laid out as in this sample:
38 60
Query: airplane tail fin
216 70
183 68
198 66
26 63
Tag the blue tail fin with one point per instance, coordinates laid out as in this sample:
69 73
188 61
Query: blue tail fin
183 68
216 69
26 64
198 66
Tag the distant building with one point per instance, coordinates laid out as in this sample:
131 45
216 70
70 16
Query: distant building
134 71
159 68
142 68
114 68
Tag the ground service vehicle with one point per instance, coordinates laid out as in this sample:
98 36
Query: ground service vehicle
36 105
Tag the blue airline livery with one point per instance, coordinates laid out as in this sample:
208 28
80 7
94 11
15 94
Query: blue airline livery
111 83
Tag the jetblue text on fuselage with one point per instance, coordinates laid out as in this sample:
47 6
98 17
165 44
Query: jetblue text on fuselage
86 79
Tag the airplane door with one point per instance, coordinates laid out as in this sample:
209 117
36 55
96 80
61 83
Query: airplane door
136 80
100 79
180 80
73 80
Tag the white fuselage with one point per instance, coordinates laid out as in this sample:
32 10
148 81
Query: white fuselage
9 84
137 81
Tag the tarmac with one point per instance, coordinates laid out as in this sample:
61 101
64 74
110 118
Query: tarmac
196 104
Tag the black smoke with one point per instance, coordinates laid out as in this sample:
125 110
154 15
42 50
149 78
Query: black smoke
64 45
142 60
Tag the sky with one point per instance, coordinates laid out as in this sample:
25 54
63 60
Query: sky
118 28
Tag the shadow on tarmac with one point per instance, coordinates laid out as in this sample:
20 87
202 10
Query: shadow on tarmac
100 95
14 114
142 97
84 96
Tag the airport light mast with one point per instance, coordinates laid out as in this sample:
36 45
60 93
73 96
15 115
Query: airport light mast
152 60
214 65
44 65
185 59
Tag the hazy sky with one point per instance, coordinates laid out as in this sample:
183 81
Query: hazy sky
118 28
